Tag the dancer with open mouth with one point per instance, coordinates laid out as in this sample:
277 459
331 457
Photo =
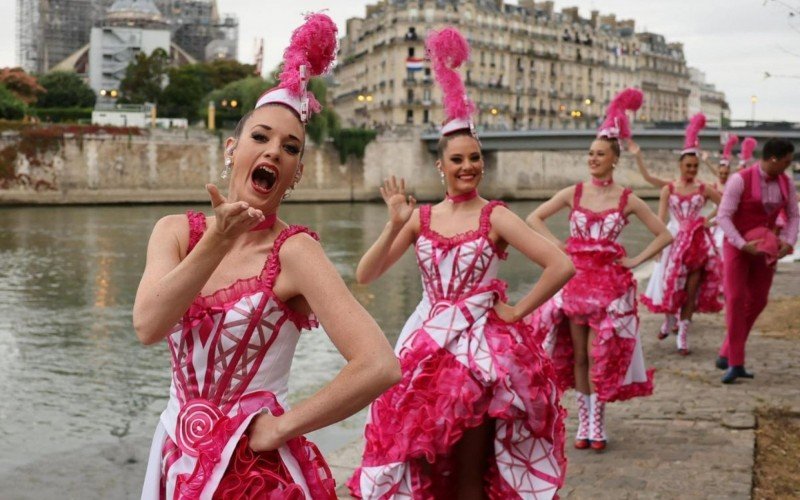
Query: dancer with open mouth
231 294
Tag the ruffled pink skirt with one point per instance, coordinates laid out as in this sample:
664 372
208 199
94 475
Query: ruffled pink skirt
602 294
414 427
263 475
693 249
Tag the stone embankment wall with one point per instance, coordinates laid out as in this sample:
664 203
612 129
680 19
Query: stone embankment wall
165 166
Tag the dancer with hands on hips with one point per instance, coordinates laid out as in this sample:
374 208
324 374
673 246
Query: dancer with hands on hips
231 294
477 411
591 326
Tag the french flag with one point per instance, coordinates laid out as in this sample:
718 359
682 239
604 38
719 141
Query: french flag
415 64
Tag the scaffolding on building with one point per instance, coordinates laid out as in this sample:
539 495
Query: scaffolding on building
49 31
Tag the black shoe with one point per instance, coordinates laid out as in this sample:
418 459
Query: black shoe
722 362
735 372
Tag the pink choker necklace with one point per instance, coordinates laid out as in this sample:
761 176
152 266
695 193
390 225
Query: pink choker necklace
462 197
267 223
602 183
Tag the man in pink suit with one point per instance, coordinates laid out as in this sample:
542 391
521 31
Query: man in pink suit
751 203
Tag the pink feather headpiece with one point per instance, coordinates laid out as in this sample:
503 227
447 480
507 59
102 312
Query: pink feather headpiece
616 125
727 150
691 145
448 50
310 53
748 148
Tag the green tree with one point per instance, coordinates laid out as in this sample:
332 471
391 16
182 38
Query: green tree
181 97
326 123
11 108
65 89
145 77
189 84
245 92
352 141
221 72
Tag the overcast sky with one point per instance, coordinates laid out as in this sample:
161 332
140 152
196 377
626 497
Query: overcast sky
733 41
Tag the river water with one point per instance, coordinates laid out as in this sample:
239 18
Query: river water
72 373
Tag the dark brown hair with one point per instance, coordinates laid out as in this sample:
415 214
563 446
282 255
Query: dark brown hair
445 140
777 147
613 142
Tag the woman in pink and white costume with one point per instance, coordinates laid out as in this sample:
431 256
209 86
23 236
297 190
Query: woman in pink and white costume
692 280
231 294
591 327
477 411
723 172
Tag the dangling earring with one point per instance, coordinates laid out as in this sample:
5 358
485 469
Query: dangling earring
228 164
297 175
227 170
441 175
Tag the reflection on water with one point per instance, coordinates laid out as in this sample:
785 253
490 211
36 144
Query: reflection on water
71 370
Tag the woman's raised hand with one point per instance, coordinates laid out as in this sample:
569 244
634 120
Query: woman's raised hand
400 206
232 219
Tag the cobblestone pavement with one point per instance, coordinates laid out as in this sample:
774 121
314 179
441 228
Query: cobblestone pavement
694 437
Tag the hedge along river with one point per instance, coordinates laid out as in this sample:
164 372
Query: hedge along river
73 376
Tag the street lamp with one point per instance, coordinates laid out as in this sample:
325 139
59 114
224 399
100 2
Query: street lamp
587 101
753 101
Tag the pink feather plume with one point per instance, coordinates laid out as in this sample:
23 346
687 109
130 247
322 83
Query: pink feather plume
731 143
629 99
696 124
748 147
448 50
314 45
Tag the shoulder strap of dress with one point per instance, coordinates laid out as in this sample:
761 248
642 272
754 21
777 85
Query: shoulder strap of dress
424 217
486 214
274 260
702 189
671 187
623 199
576 196
197 226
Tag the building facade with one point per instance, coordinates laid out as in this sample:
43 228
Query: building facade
707 99
50 31
530 66
127 30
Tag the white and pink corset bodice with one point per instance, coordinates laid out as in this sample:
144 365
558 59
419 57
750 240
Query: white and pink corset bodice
588 225
460 265
231 354
686 208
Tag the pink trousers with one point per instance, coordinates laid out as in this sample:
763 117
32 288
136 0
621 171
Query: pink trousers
746 281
